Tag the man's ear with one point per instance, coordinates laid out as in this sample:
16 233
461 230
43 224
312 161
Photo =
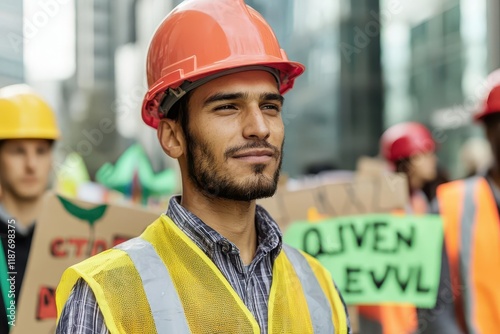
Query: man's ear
171 138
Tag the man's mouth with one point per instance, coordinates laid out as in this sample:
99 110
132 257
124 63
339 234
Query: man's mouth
255 155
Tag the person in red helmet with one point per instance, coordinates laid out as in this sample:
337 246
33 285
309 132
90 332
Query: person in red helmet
410 149
215 262
470 210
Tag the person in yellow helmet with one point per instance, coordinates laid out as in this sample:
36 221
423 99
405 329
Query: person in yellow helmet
215 262
28 130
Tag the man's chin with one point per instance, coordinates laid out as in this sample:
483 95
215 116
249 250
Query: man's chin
247 196
258 189
29 195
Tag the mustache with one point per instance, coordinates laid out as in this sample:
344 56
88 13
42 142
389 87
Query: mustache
257 144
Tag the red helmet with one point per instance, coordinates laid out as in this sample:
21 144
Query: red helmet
491 105
201 40
404 140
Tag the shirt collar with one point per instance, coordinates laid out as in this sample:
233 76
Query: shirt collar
4 215
269 236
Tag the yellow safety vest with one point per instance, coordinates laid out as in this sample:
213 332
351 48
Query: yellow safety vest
162 282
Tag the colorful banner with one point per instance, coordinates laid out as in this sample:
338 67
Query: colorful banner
133 176
379 258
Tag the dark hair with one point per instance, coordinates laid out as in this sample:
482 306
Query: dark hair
179 112
491 119
51 142
403 165
430 188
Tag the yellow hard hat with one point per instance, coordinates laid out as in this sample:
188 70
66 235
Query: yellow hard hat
24 114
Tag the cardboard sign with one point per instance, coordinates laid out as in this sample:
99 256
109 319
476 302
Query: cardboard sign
371 166
365 194
377 258
68 232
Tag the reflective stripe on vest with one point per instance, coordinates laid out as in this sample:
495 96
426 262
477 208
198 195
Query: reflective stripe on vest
466 242
166 306
162 296
321 317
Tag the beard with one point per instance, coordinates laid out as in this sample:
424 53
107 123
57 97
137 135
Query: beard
213 182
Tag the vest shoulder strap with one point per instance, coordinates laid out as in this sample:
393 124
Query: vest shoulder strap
123 287
320 291
164 301
319 306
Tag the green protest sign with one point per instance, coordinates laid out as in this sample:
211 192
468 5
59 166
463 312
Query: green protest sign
378 258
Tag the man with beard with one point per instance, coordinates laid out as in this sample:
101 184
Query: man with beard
28 130
215 263
470 209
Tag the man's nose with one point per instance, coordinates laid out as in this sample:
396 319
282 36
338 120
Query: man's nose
255 124
31 160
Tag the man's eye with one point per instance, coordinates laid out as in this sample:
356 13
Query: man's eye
225 107
17 150
42 150
272 107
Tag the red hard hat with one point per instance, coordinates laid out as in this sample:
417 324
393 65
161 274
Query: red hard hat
491 105
404 140
204 39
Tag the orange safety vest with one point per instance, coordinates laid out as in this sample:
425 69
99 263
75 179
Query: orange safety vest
472 237
396 318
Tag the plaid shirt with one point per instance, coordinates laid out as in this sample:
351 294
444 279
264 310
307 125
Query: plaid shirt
81 314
